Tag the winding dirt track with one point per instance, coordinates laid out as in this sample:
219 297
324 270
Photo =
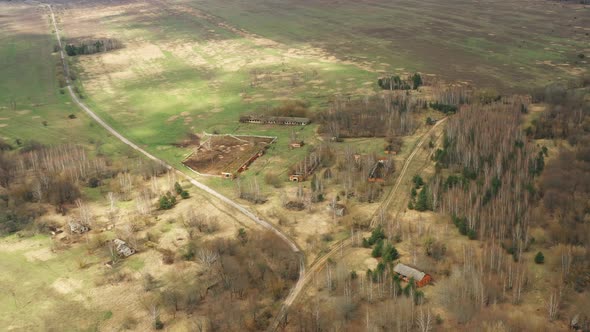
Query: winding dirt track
194 182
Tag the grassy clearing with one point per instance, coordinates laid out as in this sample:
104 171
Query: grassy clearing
33 279
31 103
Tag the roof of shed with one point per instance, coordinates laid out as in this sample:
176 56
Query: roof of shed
409 272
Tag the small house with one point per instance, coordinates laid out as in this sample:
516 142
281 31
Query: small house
338 209
303 169
295 144
122 248
376 174
227 175
77 228
389 149
296 178
406 272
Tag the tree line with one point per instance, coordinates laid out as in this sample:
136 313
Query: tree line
92 46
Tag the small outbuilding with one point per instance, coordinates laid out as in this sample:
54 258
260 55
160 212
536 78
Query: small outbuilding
228 175
77 228
295 144
406 272
296 178
376 174
122 248
338 209
278 120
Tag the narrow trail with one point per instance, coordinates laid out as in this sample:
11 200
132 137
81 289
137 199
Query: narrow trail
340 246
194 182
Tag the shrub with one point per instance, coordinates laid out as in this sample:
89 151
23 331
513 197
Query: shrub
93 182
273 180
439 320
327 237
423 202
242 236
418 181
435 249
417 81
376 235
539 258
378 250
178 188
167 202
184 194
158 325
390 253
365 243
444 108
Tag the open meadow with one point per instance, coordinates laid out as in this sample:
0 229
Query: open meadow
33 105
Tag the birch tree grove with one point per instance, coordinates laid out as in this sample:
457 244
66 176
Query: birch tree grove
388 114
494 166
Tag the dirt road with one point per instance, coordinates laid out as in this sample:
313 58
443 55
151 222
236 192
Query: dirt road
194 182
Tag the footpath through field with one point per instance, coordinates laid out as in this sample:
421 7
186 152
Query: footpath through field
194 182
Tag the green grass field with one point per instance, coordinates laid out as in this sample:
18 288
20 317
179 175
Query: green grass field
33 280
32 106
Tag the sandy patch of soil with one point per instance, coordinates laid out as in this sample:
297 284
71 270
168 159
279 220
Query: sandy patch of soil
66 285
186 51
132 54
43 254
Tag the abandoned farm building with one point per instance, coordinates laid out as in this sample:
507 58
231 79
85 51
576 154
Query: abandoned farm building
303 169
377 172
295 144
279 120
420 278
227 155
122 248
77 228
